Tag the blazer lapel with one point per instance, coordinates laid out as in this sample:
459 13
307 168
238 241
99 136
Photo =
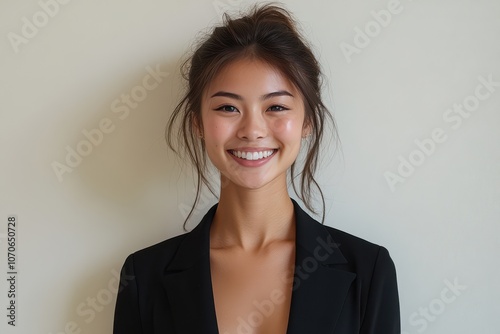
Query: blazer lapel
188 283
319 290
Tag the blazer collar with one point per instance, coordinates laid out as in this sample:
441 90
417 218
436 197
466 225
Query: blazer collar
319 290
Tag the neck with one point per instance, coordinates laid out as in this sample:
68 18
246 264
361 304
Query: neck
253 218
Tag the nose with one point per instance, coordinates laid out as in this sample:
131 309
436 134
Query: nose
253 126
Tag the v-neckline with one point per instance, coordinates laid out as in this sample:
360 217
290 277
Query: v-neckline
211 289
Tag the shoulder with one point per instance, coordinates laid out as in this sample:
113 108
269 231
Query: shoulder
363 257
155 257
164 248
183 248
354 247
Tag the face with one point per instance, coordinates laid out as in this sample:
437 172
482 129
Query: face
253 124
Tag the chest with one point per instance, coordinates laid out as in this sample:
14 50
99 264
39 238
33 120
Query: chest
252 292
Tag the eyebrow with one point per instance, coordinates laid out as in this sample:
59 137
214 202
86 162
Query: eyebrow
263 97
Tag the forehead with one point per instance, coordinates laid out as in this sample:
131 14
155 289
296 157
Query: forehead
249 76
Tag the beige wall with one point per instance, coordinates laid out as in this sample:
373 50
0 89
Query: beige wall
394 78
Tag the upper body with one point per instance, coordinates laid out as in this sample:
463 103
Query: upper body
255 265
342 284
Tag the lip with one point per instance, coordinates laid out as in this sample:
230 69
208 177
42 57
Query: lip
252 163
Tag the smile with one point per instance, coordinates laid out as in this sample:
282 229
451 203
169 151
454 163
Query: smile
252 155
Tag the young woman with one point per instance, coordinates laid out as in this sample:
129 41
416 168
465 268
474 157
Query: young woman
256 263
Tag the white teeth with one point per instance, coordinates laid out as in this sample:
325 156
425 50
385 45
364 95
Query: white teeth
252 155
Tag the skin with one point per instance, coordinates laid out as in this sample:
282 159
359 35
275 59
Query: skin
251 106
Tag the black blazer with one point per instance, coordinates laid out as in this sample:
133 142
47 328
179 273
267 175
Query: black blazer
342 285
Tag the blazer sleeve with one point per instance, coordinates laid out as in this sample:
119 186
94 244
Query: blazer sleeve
382 315
127 318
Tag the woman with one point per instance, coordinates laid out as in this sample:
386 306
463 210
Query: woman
256 263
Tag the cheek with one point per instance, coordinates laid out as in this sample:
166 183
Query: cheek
215 132
288 128
210 128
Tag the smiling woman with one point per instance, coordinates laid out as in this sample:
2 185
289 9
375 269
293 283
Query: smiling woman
257 263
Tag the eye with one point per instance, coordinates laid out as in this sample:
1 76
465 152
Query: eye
227 108
277 108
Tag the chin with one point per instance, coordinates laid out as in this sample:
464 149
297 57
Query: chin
254 182
250 185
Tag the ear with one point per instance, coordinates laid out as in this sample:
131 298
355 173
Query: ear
306 129
197 125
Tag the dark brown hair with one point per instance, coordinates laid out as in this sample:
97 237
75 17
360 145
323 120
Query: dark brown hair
267 33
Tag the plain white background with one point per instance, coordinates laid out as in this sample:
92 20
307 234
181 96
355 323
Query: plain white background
391 81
